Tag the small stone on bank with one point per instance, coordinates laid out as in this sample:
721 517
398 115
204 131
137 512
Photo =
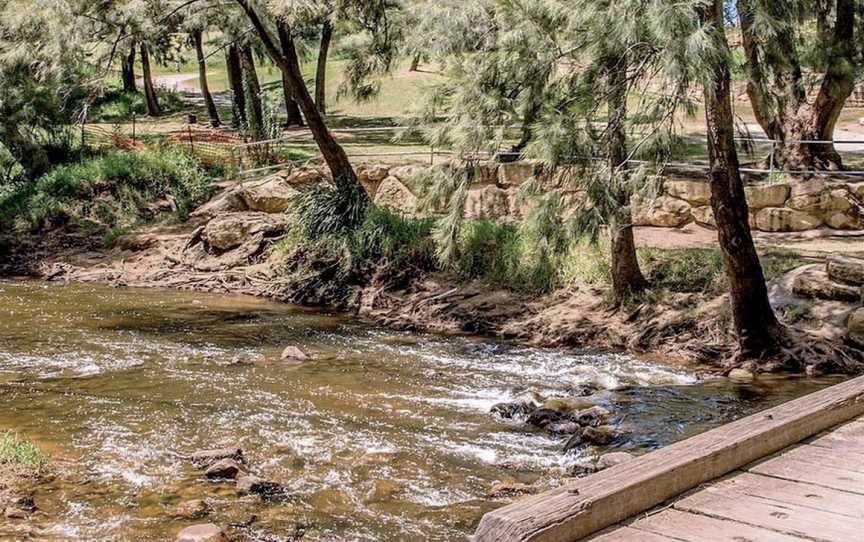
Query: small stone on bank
206 458
201 533
226 469
509 489
194 509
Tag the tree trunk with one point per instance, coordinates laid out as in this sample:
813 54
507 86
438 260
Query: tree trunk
153 108
295 118
128 71
756 326
780 102
627 277
235 81
334 155
202 80
415 63
321 70
254 107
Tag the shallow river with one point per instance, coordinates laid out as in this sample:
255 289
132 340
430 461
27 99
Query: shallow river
384 436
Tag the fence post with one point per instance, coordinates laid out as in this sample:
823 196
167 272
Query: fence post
133 127
191 142
83 134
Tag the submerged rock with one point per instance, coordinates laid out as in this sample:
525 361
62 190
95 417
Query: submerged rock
542 417
384 490
225 469
601 435
194 509
513 410
266 489
574 442
206 458
564 428
593 416
207 532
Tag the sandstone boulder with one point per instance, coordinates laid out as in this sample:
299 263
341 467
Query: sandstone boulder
394 195
228 201
229 231
781 219
201 533
489 202
696 193
294 354
857 189
846 269
807 187
816 284
406 173
767 195
822 204
514 174
371 176
272 195
704 216
664 211
303 176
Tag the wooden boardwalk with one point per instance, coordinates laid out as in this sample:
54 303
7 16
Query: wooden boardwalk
811 491
791 473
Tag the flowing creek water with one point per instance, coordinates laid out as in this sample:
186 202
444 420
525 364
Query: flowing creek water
384 436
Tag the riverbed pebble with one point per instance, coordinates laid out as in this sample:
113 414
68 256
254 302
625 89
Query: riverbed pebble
266 489
207 532
509 489
613 458
593 416
226 469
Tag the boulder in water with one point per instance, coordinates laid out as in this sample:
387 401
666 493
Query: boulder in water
225 469
542 417
509 489
207 532
564 428
294 354
601 435
574 442
383 490
513 410
593 416
206 458
252 485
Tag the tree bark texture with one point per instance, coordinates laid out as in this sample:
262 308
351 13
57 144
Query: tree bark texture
295 117
321 70
235 81
128 71
212 112
254 106
153 108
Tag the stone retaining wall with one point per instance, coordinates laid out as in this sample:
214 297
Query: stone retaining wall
792 206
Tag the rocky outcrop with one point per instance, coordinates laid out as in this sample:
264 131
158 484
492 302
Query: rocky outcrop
205 458
781 219
664 212
696 193
815 283
394 195
847 270
489 202
229 231
224 469
273 195
856 327
767 195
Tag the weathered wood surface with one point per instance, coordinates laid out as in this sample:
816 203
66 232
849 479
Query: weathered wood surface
572 512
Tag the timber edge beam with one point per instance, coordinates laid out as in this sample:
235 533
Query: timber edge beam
574 511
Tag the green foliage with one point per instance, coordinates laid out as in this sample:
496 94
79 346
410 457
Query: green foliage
112 190
16 451
116 105
685 270
331 211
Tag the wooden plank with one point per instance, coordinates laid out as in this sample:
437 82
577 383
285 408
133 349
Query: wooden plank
801 494
817 455
574 511
698 528
785 518
625 534
849 436
821 475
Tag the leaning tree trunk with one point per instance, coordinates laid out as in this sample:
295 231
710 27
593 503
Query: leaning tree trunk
254 106
235 81
627 277
295 117
128 71
321 70
212 112
777 90
757 329
153 108
334 155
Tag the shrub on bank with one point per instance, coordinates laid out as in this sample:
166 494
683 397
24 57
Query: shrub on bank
111 190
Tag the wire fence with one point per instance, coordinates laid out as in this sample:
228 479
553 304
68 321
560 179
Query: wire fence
395 145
